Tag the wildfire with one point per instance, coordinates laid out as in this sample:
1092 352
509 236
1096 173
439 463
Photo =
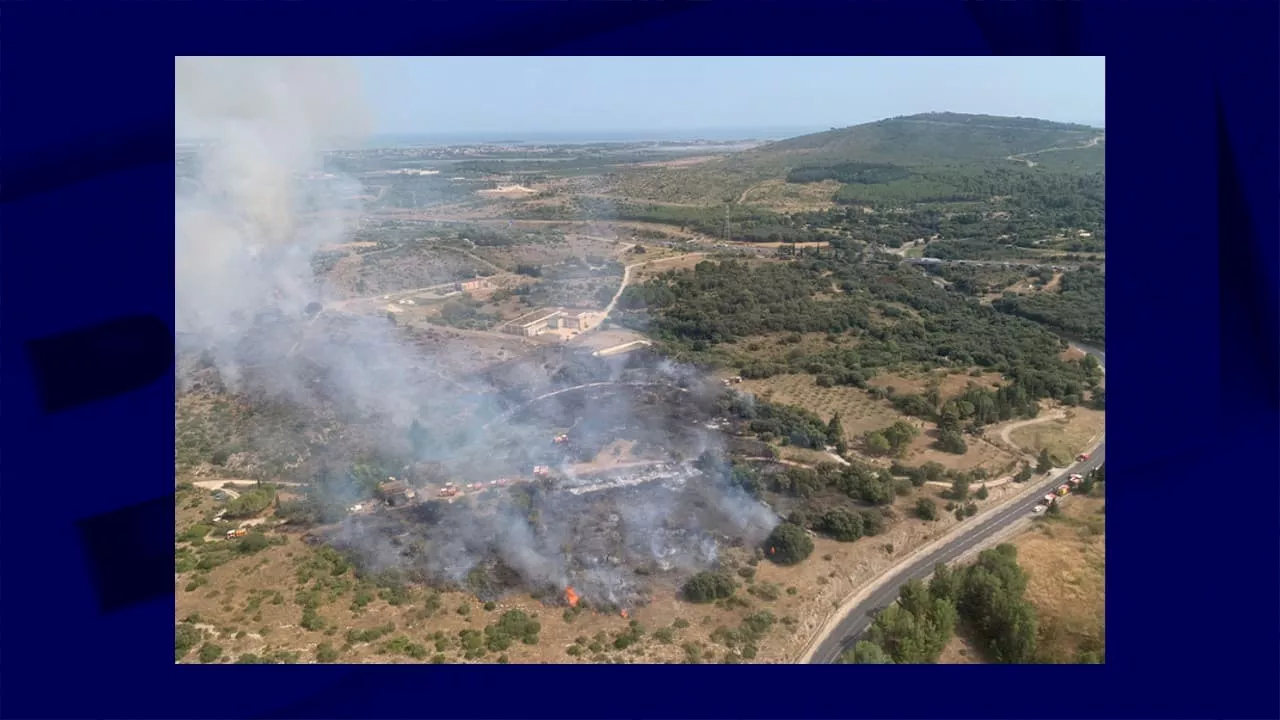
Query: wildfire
625 614
571 597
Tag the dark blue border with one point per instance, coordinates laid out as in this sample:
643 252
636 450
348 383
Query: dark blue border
1193 335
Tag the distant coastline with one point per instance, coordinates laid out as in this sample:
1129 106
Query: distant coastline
585 137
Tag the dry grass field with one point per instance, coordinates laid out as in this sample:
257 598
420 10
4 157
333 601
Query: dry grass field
1065 558
1078 430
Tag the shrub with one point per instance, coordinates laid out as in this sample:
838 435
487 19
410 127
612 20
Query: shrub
210 653
766 591
708 587
325 653
186 636
252 543
873 522
982 493
926 509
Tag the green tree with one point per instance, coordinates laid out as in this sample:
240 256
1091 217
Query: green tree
945 583
877 444
1045 463
960 488
788 544
866 653
841 525
982 493
900 434
835 431
992 601
926 509
951 441
1024 473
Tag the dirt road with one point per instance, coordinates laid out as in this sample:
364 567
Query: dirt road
1024 157
626 280
222 485
1006 433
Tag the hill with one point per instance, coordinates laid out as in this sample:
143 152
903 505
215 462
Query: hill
882 153
927 139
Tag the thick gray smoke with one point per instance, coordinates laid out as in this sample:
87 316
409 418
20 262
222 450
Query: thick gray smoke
260 206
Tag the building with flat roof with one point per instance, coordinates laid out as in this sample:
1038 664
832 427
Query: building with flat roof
534 323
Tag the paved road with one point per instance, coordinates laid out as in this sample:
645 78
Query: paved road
853 625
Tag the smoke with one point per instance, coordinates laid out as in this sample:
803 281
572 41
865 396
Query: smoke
261 203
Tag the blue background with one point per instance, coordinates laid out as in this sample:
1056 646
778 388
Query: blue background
88 409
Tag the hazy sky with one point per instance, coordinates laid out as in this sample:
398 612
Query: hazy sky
564 94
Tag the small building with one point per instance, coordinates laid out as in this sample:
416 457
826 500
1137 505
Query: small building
534 323
471 285
576 321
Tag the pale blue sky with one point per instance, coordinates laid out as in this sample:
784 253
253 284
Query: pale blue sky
564 94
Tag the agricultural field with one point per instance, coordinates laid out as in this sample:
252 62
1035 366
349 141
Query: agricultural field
859 413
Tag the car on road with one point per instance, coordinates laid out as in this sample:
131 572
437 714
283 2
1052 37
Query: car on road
1082 457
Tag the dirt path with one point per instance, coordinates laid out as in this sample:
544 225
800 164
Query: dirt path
743 197
1024 157
221 485
626 280
1006 433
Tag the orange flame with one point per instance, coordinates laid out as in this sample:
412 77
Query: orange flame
773 550
571 597
625 614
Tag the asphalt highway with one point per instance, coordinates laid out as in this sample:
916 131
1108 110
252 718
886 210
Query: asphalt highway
974 533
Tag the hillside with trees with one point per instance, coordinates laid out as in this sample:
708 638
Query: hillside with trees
924 139
891 160
891 315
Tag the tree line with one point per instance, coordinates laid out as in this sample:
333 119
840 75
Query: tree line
989 597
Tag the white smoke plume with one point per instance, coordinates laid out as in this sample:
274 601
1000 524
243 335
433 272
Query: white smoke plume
261 204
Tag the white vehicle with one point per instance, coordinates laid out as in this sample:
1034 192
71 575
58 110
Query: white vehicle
356 508
1038 509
